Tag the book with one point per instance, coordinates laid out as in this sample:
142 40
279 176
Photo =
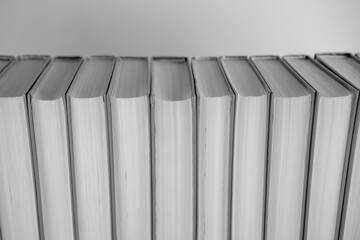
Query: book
258 148
129 115
329 153
4 61
357 55
291 110
19 217
250 148
173 133
215 107
347 67
48 118
88 127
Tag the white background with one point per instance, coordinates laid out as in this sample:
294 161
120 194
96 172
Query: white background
186 27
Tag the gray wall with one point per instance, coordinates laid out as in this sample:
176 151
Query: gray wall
186 27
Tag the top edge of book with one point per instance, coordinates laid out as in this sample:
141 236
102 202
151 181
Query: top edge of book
172 79
332 54
93 77
131 78
5 61
100 57
233 58
281 79
242 76
33 56
70 57
20 74
296 56
56 78
204 58
344 65
210 78
324 82
132 58
6 57
264 57
169 58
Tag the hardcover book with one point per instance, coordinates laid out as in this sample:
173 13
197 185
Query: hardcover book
290 124
88 125
347 67
129 110
19 217
250 148
215 106
48 117
173 130
332 128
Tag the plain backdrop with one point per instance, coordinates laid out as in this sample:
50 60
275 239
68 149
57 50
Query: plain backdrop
185 28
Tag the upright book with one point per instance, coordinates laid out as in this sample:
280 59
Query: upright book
48 117
129 110
215 106
291 114
19 218
348 68
329 148
250 148
86 100
173 120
